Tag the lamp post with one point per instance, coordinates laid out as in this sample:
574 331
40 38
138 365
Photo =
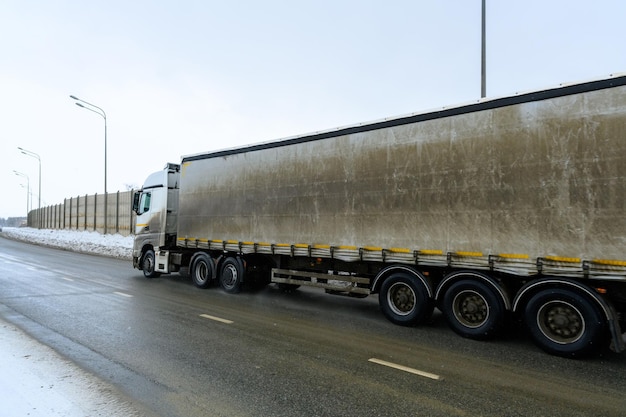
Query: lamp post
34 155
21 174
483 54
99 111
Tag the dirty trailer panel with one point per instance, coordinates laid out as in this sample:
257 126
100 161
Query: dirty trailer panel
543 178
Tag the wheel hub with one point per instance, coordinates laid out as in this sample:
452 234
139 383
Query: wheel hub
561 322
148 264
471 309
230 275
402 299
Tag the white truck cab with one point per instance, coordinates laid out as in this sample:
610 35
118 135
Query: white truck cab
156 206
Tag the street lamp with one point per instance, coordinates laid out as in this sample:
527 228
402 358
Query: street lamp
34 155
99 111
21 174
483 52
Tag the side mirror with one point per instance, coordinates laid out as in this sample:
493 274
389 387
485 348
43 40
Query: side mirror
136 199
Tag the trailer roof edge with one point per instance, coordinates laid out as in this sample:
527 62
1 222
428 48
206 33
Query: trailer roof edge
480 105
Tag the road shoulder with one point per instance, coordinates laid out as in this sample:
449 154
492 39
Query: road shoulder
37 381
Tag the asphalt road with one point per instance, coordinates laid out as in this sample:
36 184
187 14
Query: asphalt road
182 351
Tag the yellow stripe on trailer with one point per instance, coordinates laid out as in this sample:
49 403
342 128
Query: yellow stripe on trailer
562 259
610 262
430 252
468 253
400 250
514 255
321 246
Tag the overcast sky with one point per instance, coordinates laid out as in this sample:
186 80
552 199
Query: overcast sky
182 77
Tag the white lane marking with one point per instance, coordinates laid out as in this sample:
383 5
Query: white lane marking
122 294
206 316
67 279
407 369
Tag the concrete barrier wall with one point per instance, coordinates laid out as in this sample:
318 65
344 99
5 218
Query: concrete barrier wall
88 213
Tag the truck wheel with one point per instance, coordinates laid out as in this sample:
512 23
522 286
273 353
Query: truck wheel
202 270
473 309
404 300
231 275
565 323
148 264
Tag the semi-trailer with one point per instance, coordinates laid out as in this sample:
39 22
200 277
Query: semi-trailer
503 209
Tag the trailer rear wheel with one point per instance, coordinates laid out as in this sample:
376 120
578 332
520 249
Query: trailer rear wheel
404 300
565 323
473 309
231 275
148 264
202 270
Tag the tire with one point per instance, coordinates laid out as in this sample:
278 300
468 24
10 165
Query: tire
148 264
473 309
404 300
565 323
231 275
202 270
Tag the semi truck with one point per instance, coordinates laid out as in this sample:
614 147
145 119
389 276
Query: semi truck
497 212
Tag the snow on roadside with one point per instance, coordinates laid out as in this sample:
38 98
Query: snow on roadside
116 246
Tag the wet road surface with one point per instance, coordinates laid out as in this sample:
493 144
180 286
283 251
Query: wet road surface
180 351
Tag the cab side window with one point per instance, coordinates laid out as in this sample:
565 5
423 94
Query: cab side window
144 204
